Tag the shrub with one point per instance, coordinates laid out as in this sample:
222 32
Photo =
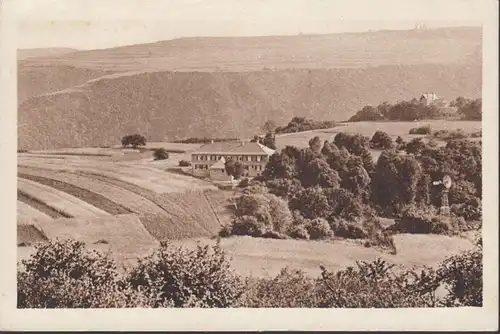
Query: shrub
421 130
290 288
348 230
298 232
200 277
415 146
245 182
319 229
422 220
160 154
248 225
64 274
463 276
450 134
184 163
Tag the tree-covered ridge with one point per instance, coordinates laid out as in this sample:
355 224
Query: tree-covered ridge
413 110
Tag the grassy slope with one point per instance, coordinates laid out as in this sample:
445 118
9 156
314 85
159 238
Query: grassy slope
447 45
174 104
169 105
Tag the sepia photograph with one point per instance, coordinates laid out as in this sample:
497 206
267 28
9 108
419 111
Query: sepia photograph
251 156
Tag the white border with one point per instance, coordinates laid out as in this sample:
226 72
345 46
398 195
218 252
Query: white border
484 318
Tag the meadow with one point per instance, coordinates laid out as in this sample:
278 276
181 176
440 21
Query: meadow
122 201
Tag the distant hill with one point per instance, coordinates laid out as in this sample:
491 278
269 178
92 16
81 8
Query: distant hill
173 105
42 52
228 87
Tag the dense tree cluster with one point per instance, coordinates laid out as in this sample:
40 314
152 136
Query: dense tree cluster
300 124
402 111
468 109
338 182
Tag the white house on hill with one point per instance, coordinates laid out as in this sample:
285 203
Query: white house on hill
429 98
209 159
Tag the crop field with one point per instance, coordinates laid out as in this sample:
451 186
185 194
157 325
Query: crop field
67 205
145 176
27 213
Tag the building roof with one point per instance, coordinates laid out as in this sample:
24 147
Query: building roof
234 147
221 164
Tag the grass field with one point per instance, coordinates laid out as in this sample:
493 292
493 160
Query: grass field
394 129
260 257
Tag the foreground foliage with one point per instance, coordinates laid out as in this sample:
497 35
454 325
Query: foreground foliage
65 274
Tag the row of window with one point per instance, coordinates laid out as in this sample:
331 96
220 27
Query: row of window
254 158
256 167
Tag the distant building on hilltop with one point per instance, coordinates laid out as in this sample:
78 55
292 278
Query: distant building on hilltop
209 160
429 99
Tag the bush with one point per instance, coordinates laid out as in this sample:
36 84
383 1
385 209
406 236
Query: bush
319 229
290 288
64 274
463 276
424 220
450 134
348 230
421 130
200 277
248 225
245 182
298 232
184 163
160 154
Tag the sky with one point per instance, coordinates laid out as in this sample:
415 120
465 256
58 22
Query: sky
95 24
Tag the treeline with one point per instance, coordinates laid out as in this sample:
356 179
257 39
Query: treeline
300 124
336 189
66 274
414 110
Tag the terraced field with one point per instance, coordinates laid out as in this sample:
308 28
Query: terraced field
76 191
67 205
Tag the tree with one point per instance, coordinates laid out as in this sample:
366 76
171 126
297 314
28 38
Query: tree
280 165
381 140
472 110
234 168
415 146
318 172
269 141
134 140
315 144
160 154
311 202
394 182
328 148
269 126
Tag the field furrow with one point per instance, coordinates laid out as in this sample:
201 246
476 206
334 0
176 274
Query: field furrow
39 205
143 176
125 198
66 204
27 213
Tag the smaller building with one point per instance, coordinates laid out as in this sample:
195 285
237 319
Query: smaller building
218 173
429 99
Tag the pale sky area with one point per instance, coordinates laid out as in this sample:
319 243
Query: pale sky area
93 24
